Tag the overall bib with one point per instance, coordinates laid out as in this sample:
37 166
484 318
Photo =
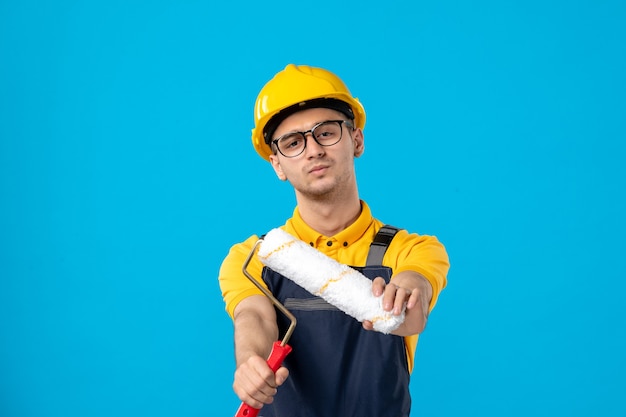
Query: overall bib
336 368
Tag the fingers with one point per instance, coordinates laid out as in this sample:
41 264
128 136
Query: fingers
396 298
255 383
367 325
378 286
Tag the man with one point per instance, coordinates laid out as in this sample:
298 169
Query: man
310 128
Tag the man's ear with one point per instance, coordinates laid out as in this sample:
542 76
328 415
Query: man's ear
359 142
277 168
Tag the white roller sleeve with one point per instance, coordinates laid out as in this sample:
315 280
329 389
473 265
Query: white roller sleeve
338 284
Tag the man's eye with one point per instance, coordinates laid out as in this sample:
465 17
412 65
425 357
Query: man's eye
292 141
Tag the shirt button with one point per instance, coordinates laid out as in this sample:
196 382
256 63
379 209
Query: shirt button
311 243
329 243
345 243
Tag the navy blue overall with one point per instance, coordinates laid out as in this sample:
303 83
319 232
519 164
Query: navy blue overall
336 368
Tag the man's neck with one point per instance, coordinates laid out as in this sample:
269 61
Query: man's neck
329 217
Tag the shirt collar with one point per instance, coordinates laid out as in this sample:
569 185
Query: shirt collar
349 235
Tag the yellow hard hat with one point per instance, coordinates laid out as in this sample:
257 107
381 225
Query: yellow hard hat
297 88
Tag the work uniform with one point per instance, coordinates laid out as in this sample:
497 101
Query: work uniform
336 367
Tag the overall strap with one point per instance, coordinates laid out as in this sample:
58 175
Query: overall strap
380 244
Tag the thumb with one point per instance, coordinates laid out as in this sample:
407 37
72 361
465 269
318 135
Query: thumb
281 375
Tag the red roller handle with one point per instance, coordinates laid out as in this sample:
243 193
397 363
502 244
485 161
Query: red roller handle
278 353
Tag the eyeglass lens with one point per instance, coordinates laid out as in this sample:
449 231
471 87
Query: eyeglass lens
326 133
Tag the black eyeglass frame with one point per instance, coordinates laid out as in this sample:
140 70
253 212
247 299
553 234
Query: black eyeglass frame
348 123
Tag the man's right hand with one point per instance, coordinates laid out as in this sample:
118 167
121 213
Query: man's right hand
255 383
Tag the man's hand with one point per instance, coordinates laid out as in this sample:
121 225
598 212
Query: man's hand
255 332
407 289
255 383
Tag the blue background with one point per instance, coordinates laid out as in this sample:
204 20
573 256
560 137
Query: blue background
126 172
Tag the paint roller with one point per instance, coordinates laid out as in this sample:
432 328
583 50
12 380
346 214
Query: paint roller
338 284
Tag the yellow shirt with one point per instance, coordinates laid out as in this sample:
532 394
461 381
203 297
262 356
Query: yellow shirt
407 251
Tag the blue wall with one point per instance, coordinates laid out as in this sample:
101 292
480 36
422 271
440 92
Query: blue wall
126 172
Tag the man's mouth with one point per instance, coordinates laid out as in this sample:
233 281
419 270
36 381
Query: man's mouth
318 169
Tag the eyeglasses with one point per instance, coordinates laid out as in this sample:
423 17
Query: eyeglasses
326 133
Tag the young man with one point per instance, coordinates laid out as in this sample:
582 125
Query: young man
310 128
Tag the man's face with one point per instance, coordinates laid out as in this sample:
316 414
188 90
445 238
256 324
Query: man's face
318 170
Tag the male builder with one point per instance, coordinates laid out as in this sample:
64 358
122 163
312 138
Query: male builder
310 128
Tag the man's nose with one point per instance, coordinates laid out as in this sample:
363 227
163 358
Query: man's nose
312 147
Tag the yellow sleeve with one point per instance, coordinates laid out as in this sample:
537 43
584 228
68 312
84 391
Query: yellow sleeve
423 254
234 284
